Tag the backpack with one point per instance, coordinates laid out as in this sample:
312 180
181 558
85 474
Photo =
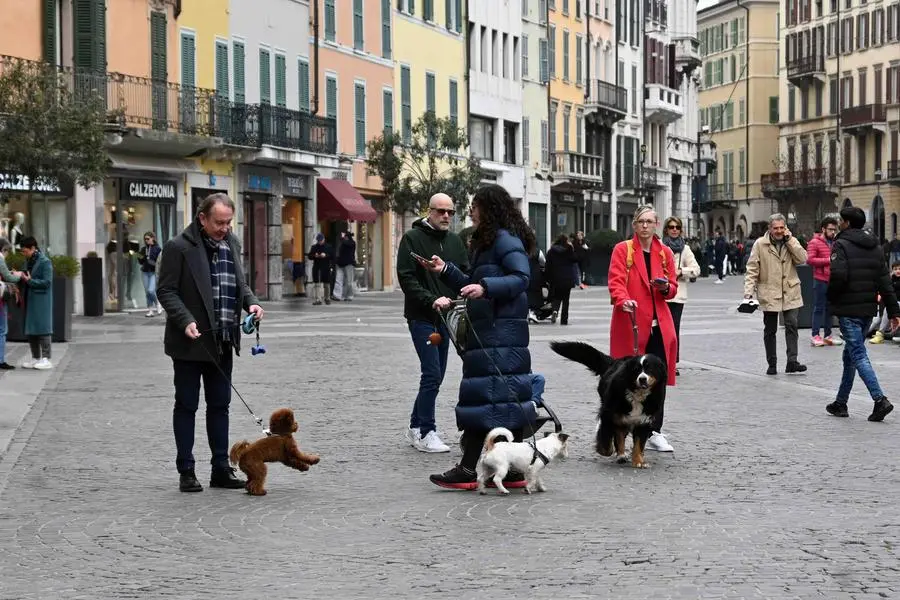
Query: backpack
629 262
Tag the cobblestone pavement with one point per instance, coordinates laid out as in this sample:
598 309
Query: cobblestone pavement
766 496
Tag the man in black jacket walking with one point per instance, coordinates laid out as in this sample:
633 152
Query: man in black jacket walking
858 274
203 289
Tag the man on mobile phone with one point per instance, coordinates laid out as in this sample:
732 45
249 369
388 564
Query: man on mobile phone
424 295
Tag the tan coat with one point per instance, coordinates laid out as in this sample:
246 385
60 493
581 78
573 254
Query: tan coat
772 275
689 268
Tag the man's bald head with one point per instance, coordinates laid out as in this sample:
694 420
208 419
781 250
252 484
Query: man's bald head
440 211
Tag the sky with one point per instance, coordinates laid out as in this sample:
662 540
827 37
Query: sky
705 3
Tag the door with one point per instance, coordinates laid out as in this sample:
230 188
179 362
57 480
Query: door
256 242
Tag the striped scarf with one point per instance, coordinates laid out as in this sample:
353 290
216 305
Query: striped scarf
224 286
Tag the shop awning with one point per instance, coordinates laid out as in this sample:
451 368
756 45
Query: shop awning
154 164
339 201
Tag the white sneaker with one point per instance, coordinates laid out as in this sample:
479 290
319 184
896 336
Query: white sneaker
659 443
431 443
43 364
150 313
28 363
413 436
159 309
719 281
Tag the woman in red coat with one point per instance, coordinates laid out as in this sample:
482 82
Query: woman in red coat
642 276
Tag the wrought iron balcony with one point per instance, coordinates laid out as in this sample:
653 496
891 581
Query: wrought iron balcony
257 125
720 194
653 178
663 104
893 171
860 120
584 170
781 184
801 71
607 101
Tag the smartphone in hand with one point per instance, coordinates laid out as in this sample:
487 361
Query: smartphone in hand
421 258
661 280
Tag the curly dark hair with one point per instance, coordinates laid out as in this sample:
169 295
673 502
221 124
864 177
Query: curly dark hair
497 210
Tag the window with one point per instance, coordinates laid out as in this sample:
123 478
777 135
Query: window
358 25
524 56
386 29
565 56
579 48
567 118
429 93
773 109
579 128
545 143
481 137
359 109
791 102
742 111
742 168
862 87
387 103
265 76
495 53
729 115
188 60
861 158
428 10
878 79
329 20
804 103
405 105
222 70
84 52
509 142
89 37
331 96
820 91
454 101
545 61
303 84
634 93
552 51
832 94
526 143
237 49
505 56
554 108
280 80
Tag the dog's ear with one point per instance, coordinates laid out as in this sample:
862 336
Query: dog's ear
563 437
282 421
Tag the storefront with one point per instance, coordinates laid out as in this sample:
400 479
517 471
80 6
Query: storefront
202 185
37 210
340 207
259 201
132 207
296 204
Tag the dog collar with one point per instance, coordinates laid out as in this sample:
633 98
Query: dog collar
538 455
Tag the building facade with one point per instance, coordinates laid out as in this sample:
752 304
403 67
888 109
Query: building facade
740 82
839 113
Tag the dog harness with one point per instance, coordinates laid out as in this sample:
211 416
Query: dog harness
538 455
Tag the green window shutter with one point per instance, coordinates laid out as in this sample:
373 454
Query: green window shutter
89 35
387 100
386 28
773 109
428 10
280 80
303 78
222 70
360 110
429 92
565 43
454 102
358 42
331 100
48 39
239 59
459 15
265 77
448 14
411 7
158 53
188 58
98 39
329 20
405 104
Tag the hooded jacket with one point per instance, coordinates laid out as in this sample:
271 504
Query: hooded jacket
858 274
421 288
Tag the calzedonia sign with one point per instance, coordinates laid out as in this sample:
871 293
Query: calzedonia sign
144 189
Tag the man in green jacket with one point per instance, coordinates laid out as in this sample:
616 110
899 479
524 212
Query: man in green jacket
424 295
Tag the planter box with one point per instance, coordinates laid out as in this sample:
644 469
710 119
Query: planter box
92 285
63 302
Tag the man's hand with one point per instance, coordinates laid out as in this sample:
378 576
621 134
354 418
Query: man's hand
629 306
191 331
473 291
442 303
895 324
257 312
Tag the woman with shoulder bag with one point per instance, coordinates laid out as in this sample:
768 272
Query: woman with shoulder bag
688 269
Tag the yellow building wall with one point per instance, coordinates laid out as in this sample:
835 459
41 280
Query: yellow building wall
426 47
208 19
562 90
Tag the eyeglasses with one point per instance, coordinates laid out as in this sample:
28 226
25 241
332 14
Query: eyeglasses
646 222
675 227
444 211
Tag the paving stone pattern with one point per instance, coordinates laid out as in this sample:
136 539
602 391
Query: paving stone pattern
766 496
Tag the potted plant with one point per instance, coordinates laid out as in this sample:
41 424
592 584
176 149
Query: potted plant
92 284
65 269
601 243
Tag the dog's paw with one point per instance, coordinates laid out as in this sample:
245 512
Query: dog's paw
257 492
641 465
314 459
528 490
622 459
503 492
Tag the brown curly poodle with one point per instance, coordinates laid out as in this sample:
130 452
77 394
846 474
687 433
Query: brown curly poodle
280 446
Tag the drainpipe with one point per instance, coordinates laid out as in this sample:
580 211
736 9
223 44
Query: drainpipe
839 142
314 103
746 105
550 143
587 80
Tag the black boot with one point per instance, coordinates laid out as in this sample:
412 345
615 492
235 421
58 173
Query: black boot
773 368
224 477
837 409
189 483
880 410
795 367
457 478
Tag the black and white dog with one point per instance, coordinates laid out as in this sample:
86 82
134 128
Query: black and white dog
631 393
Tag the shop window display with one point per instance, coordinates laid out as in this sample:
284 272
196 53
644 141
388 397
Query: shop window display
45 218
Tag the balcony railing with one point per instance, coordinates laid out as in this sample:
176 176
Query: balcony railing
609 96
893 169
793 180
263 124
653 177
575 165
805 67
867 115
657 11
720 193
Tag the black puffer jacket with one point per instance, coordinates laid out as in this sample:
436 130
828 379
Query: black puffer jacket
858 274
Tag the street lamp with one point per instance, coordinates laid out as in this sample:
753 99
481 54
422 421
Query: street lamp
699 173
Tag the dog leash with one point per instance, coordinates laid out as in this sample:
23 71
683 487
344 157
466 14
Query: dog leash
634 332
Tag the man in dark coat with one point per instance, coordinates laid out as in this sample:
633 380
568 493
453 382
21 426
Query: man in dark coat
346 268
202 289
721 252
560 259
322 255
858 274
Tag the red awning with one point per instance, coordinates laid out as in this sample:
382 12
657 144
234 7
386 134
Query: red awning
339 201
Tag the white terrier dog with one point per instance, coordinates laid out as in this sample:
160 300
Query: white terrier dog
501 455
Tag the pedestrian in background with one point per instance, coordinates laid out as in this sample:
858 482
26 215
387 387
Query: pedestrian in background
687 270
818 256
322 256
38 280
424 294
148 256
720 249
582 257
8 294
772 276
346 268
562 277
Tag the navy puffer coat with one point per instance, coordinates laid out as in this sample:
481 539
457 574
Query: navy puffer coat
488 398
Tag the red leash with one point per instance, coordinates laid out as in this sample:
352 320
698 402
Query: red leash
634 331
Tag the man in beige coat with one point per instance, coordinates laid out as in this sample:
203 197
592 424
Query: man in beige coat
772 275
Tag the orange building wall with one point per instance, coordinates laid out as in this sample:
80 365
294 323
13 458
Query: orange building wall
20 28
128 42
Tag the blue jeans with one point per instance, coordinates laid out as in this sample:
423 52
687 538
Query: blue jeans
433 362
217 389
821 316
149 278
856 359
3 330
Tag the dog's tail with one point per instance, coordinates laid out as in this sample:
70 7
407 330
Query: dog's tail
237 451
497 434
593 359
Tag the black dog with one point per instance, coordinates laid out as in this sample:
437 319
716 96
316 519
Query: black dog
631 393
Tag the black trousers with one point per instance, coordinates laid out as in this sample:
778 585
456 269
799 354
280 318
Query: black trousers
561 295
657 347
676 308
